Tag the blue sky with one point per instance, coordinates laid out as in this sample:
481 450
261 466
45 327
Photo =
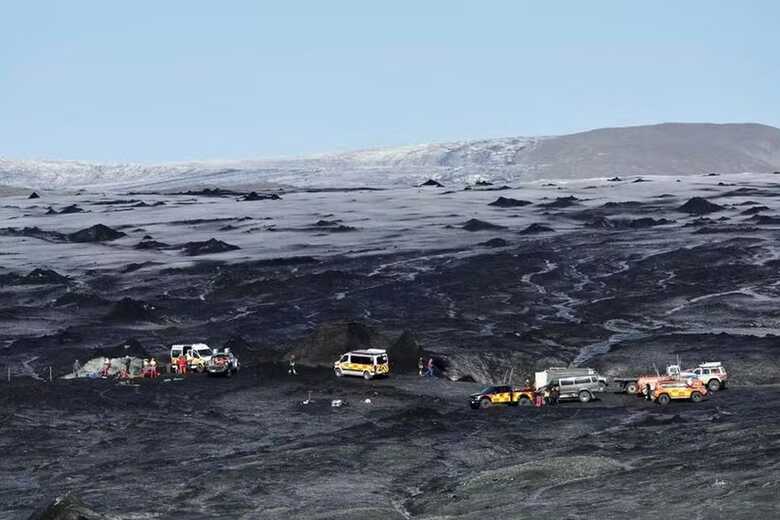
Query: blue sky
179 80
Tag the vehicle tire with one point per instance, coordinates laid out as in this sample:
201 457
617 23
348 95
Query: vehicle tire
584 396
339 373
631 388
524 401
200 369
485 403
664 399
713 385
696 397
367 375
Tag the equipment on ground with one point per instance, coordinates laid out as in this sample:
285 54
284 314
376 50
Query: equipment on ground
368 363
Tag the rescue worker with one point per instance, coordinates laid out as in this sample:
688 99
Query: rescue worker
538 399
648 392
106 368
76 367
555 394
291 371
429 370
546 395
420 366
181 364
153 367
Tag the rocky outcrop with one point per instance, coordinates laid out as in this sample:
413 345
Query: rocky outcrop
699 206
68 507
480 225
96 233
508 202
208 247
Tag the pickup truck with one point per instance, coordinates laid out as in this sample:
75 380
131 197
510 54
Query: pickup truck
502 395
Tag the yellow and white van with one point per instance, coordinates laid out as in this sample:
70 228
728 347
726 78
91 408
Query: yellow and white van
198 355
368 363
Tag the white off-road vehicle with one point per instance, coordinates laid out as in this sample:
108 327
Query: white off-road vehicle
712 374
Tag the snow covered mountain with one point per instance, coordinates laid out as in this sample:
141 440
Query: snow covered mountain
665 149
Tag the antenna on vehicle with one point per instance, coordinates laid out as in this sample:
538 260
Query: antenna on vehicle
656 370
509 380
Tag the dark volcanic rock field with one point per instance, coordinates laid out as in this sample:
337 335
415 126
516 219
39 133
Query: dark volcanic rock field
615 275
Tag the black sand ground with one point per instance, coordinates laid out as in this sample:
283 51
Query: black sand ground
621 299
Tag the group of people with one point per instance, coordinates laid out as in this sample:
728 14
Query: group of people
548 395
425 369
149 368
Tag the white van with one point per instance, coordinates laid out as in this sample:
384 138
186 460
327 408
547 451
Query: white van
198 355
368 363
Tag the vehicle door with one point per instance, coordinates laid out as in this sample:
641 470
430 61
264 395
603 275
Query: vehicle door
568 388
503 395
360 364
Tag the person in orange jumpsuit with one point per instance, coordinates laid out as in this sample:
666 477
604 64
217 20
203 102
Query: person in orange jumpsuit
181 363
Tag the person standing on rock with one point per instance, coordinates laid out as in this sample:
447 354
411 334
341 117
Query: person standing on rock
106 368
76 368
420 366
291 370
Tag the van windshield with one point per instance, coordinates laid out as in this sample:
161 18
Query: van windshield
204 351
381 360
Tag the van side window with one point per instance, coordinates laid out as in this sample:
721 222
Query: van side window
566 382
344 359
361 360
582 380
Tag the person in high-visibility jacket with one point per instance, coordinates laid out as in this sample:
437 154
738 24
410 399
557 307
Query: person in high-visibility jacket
181 363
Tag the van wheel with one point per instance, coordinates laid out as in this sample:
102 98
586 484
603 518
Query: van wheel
632 388
367 375
664 399
713 385
585 396
696 397
339 373
524 401
485 403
